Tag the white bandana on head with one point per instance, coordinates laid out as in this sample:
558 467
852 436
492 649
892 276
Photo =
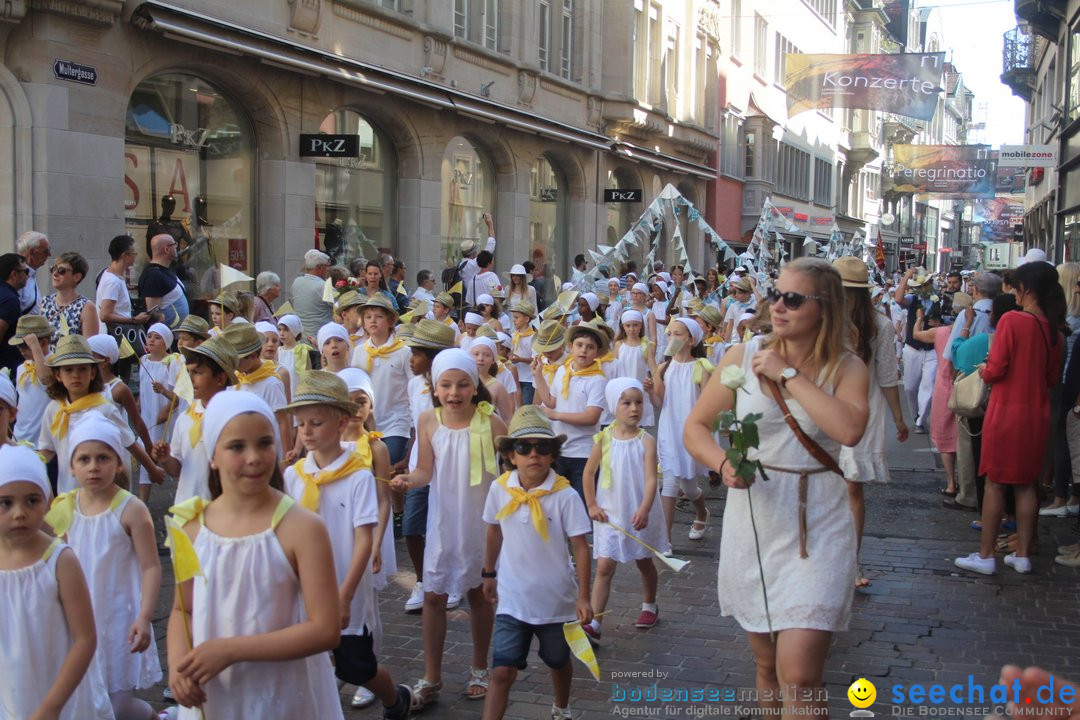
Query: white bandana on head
615 389
455 359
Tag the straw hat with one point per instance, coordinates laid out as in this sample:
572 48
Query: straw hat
194 325
695 304
318 387
220 351
71 350
961 300
742 284
528 423
468 247
226 300
593 330
524 307
551 336
348 299
445 299
920 278
487 331
380 301
244 338
711 315
35 325
498 293
404 332
852 271
432 334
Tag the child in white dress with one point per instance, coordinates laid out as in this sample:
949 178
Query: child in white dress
271 633
47 653
675 388
621 487
112 535
459 479
293 355
636 357
259 376
32 336
158 371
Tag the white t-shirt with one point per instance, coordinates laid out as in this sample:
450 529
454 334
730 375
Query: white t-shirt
485 283
585 392
419 401
272 390
537 583
194 463
33 399
344 505
113 287
469 269
390 379
523 348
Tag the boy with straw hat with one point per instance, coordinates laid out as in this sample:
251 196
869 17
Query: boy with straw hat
549 344
223 310
532 514
521 347
32 336
340 487
258 376
191 331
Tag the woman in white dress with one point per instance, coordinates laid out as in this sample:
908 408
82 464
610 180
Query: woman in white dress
874 341
806 549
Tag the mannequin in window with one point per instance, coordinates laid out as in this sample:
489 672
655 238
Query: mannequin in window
334 240
168 224
193 259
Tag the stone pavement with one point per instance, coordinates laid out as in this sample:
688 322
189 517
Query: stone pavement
921 620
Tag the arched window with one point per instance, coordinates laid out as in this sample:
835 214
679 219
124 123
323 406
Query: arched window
547 225
188 167
355 198
468 191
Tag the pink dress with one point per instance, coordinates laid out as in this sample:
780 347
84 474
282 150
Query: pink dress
942 420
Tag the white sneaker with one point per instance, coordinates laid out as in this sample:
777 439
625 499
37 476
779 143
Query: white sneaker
1059 511
1021 565
452 601
362 698
415 603
560 713
975 563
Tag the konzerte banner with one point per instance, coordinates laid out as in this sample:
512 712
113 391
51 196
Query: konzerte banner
959 171
906 84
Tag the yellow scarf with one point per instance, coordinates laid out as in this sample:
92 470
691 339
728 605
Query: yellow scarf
481 444
448 321
195 432
591 371
550 369
62 511
300 356
313 483
645 347
268 369
62 418
363 449
519 496
29 373
515 342
710 341
610 357
381 351
702 366
354 339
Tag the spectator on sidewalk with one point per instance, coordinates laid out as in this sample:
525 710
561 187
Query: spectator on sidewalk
112 298
469 268
425 286
33 246
307 293
920 360
79 312
13 274
267 290
159 287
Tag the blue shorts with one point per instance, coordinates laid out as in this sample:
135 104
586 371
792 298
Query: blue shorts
528 392
513 638
414 519
573 469
354 659
396 447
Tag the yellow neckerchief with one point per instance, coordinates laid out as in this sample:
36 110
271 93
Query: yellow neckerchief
515 342
590 371
610 357
481 444
195 431
550 368
713 340
448 321
702 366
603 439
29 375
267 370
354 340
313 482
519 496
363 448
62 511
300 355
382 351
62 418
168 359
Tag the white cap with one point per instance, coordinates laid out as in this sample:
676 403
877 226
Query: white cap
1034 255
484 299
163 330
518 270
332 330
105 346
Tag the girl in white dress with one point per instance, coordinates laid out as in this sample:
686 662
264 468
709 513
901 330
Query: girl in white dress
107 353
158 371
658 317
620 487
46 657
112 534
808 572
260 646
675 388
636 359
454 548
486 354
293 355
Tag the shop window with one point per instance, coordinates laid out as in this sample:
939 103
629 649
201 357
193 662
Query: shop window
468 191
547 225
622 215
355 203
189 158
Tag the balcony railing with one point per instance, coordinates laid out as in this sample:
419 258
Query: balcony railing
1018 57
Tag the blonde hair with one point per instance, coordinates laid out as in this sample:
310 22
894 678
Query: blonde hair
832 340
1068 275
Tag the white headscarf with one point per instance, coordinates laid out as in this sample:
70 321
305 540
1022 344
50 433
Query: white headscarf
631 316
105 346
640 287
592 300
455 359
472 318
293 323
615 388
332 330
226 406
357 380
485 342
692 327
163 330
265 327
96 427
21 464
7 391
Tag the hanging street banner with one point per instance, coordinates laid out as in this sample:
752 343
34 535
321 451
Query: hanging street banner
905 84
996 218
957 171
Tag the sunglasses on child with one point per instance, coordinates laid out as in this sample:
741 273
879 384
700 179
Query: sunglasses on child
792 300
542 447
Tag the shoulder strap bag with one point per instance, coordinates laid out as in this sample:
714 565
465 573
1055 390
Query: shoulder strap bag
816 451
970 393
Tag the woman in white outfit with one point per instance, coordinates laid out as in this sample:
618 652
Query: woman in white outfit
797 549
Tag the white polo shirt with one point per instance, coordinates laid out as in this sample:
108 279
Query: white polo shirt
585 392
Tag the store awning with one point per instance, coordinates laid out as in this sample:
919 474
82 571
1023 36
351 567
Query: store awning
205 31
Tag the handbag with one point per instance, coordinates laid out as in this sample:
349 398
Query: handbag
970 393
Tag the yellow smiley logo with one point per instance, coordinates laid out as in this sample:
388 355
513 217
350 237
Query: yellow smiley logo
862 693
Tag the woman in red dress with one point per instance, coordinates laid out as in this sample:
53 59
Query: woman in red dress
1024 362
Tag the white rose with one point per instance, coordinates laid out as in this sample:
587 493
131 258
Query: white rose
733 377
934 298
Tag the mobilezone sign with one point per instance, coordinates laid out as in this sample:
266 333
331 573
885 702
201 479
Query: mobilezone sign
1028 156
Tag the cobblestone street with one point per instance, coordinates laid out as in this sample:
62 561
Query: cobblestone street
921 620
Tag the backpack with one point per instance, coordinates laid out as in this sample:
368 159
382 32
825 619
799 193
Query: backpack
451 276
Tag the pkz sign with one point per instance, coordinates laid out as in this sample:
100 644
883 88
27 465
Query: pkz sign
335 146
612 195
67 70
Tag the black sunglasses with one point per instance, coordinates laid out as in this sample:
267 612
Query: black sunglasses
792 300
57 270
542 447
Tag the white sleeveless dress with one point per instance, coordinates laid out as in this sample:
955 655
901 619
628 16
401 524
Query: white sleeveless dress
622 500
126 461
456 532
633 364
107 555
868 461
250 589
813 592
680 394
36 640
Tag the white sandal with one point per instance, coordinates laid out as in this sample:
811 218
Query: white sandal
477 678
424 692
695 533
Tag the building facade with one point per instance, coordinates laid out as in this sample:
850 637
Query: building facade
124 116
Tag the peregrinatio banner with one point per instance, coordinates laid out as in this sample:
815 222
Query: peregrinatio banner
906 84
959 171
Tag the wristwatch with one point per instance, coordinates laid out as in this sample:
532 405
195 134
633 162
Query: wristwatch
786 374
486 575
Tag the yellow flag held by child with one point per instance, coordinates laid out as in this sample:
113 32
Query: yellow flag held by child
328 291
285 309
126 350
457 288
185 561
183 388
580 646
